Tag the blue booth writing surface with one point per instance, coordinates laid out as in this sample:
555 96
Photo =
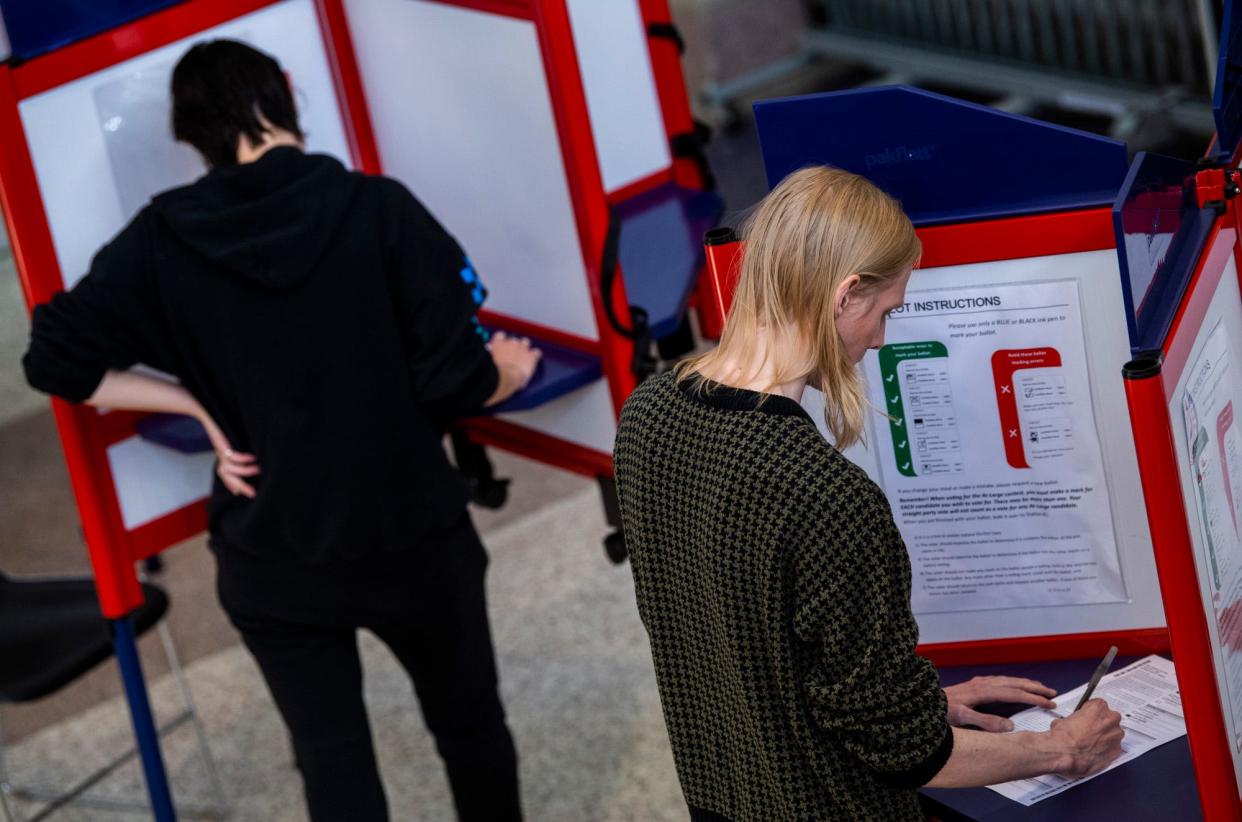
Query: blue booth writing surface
946 160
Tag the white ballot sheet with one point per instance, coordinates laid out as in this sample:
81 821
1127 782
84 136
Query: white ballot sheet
1144 693
991 457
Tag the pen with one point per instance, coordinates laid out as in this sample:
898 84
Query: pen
1105 664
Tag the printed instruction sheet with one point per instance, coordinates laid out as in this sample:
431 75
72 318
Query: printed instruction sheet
990 455
1144 693
1215 453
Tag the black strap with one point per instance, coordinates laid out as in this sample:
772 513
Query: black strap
644 364
692 144
667 31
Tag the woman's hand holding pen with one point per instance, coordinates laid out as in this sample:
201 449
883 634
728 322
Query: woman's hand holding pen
1090 738
985 690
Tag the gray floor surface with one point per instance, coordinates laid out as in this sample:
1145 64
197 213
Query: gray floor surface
576 677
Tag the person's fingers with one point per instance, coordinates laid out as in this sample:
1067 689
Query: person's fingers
238 457
243 470
236 486
243 488
1031 685
987 722
1024 697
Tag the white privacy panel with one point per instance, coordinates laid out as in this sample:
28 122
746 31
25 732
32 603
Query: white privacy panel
584 417
152 481
626 120
460 107
102 145
1106 344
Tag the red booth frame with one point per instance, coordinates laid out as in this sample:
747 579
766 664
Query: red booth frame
86 434
1150 385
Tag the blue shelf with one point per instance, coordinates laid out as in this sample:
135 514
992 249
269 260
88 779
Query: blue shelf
661 250
561 371
180 433
946 160
1159 785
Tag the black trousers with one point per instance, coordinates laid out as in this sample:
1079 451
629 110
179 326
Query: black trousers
430 609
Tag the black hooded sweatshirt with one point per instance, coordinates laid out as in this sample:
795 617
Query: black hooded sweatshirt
323 319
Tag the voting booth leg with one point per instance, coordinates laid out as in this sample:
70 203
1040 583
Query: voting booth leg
126 646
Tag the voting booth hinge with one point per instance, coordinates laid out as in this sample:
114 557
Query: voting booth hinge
691 145
1215 185
643 364
667 31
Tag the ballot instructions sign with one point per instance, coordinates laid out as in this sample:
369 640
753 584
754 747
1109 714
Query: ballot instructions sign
989 454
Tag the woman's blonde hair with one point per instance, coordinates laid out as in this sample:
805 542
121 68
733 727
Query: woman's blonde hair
816 228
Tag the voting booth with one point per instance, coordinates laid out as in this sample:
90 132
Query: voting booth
1004 441
552 138
1055 503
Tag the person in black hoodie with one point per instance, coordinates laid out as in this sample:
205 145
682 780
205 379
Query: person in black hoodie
322 326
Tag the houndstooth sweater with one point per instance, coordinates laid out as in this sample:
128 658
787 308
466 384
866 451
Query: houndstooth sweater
775 590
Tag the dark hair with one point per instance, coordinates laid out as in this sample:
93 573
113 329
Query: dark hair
220 88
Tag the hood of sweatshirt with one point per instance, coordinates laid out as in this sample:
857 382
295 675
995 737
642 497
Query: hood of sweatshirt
270 220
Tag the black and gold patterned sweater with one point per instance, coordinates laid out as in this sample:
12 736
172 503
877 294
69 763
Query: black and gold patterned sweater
775 590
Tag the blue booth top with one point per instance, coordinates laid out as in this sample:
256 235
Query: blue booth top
38 26
946 160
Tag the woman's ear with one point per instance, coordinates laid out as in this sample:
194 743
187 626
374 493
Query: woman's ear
845 293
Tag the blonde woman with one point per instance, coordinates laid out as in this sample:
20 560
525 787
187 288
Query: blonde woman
770 575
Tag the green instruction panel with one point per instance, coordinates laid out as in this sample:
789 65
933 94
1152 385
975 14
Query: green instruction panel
931 401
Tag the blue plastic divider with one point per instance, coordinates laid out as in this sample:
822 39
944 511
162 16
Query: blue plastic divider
661 250
946 160
38 26
1161 231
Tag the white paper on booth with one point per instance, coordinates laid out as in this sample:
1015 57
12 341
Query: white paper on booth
1215 453
1145 693
991 457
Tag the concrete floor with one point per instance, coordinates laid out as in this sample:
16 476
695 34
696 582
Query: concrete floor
575 672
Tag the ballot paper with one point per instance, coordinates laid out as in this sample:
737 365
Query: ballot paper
1144 693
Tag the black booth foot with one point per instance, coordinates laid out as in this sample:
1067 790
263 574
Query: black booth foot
614 547
476 469
614 543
